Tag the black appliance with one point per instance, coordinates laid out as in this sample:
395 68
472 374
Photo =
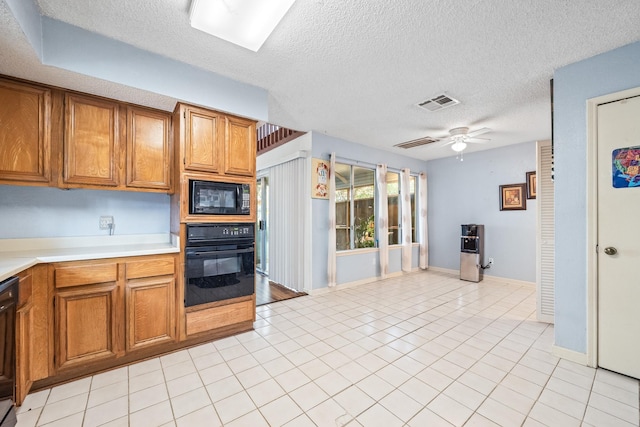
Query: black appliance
219 262
471 252
219 198
8 302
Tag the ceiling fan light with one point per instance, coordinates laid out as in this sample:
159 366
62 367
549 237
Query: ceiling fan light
458 146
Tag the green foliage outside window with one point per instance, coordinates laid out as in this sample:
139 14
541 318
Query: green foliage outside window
365 233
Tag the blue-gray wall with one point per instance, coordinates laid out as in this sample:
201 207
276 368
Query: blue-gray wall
56 43
467 192
574 84
27 212
360 265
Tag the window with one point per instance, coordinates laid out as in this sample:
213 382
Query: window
393 207
355 207
412 190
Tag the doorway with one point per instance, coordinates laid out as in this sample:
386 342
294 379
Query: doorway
614 321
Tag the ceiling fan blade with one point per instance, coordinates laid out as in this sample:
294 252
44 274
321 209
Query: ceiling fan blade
478 132
477 140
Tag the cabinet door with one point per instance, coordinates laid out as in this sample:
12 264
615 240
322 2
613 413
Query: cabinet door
204 133
240 147
86 327
91 141
24 346
25 133
150 312
148 149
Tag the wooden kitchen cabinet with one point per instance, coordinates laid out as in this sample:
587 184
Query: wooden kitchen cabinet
150 302
25 133
91 141
214 142
31 355
87 308
240 147
149 149
24 336
94 155
106 309
203 133
54 137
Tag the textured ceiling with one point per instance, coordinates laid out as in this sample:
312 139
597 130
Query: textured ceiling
356 69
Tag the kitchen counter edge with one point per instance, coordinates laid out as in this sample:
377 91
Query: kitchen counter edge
47 250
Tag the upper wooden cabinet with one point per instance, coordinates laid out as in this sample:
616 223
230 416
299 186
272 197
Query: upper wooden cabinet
203 131
214 142
149 148
91 141
240 147
54 137
95 152
25 133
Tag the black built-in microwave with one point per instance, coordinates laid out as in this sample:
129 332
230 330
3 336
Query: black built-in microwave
219 198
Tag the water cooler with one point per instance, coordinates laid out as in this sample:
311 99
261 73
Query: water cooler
471 252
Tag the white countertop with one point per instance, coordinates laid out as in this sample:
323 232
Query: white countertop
19 254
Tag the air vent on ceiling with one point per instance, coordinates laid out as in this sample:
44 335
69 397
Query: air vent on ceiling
438 103
417 142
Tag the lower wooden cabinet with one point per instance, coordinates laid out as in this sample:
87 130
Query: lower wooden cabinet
105 309
150 303
77 318
31 355
150 313
24 346
86 324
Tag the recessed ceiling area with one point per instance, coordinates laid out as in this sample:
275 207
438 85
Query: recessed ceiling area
357 70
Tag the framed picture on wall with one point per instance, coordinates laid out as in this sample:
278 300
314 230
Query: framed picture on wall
513 197
531 185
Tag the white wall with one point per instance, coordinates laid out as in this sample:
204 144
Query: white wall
467 192
50 212
574 84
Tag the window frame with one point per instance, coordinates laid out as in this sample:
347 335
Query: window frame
351 194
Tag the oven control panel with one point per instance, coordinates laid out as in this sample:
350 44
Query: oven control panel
217 232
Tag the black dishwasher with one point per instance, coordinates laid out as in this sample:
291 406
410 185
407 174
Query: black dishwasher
8 302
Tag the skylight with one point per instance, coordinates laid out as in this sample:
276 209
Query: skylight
247 23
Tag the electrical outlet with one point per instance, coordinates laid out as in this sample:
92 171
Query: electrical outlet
490 261
106 222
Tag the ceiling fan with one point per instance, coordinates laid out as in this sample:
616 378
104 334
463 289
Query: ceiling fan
460 137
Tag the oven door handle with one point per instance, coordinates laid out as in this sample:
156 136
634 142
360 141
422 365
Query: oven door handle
230 252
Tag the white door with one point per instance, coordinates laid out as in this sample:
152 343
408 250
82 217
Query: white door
619 236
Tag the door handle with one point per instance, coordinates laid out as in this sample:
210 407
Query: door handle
610 250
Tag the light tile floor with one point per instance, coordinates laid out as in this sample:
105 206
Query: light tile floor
425 349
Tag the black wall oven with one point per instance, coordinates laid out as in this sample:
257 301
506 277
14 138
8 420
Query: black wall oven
219 262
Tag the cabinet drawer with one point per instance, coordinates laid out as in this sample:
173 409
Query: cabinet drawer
85 274
217 317
150 268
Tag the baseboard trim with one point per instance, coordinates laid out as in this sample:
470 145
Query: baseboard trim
485 276
571 355
508 281
347 285
444 270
